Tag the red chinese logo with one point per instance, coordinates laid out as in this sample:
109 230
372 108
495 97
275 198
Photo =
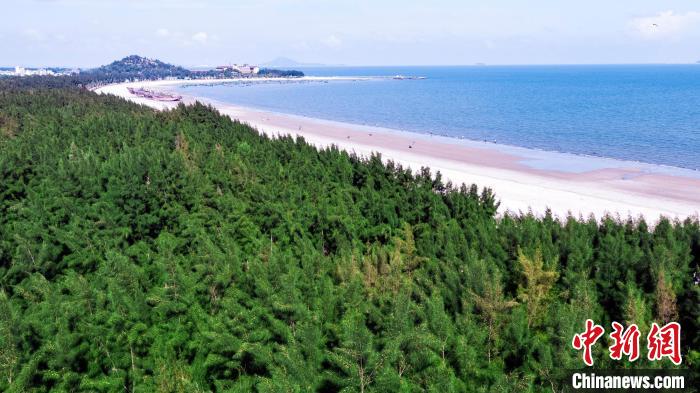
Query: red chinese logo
665 342
586 340
662 342
624 342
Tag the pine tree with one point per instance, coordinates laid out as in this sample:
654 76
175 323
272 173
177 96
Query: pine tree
535 290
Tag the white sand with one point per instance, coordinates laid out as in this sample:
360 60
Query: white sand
623 192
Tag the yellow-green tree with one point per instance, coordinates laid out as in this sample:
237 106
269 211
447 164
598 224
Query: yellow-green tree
537 283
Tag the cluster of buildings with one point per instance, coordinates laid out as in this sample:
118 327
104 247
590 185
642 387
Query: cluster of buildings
243 69
21 71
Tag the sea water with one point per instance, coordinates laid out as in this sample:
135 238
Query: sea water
644 113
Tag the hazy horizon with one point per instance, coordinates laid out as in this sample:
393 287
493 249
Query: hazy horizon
85 34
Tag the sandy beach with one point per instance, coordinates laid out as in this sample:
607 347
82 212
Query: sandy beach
603 186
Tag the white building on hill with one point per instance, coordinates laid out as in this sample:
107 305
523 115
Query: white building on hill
243 69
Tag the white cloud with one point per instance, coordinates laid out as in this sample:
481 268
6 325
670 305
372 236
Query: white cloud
666 24
302 45
332 41
200 37
33 34
163 32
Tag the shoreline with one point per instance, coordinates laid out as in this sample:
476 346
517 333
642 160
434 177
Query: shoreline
597 185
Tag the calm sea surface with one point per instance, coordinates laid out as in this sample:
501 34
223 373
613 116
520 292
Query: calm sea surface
647 113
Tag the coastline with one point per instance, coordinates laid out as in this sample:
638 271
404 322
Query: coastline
596 186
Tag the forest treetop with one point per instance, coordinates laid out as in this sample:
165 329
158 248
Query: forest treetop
182 251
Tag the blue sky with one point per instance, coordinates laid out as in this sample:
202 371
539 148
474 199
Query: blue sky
87 33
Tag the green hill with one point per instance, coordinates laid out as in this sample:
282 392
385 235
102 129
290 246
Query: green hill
137 67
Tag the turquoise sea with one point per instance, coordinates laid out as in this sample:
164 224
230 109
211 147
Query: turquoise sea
645 113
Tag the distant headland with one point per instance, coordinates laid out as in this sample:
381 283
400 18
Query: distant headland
135 68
